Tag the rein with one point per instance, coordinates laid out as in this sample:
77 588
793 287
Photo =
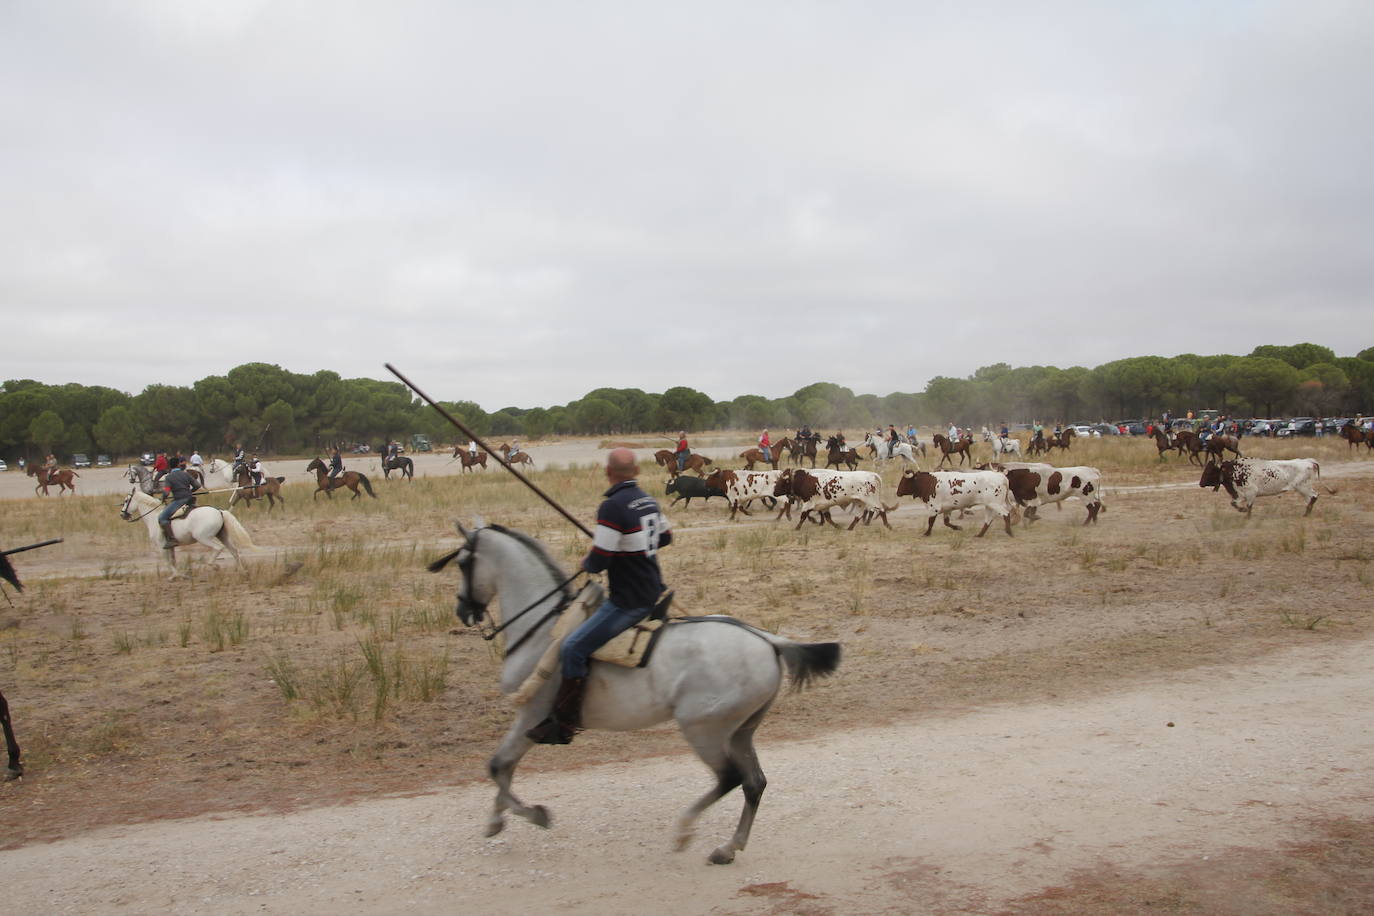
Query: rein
491 632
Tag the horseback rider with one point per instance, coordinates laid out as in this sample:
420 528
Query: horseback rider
195 462
160 466
892 439
335 466
514 450
256 470
1038 432
682 452
180 488
630 529
911 433
472 448
764 446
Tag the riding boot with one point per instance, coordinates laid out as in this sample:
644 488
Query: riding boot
565 719
168 539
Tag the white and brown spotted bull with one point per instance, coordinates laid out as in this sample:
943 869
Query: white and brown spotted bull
742 487
819 491
1040 485
943 492
1247 479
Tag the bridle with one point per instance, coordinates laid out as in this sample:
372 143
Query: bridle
125 514
474 612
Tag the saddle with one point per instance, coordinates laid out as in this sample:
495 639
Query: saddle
630 649
184 510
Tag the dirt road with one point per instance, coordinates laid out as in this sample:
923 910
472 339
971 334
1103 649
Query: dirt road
967 814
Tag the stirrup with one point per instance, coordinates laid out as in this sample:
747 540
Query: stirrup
551 731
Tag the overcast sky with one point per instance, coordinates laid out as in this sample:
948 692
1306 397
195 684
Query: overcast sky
516 203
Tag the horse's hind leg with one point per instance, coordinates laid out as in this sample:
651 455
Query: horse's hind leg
735 764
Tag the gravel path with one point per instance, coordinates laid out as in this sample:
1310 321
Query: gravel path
949 815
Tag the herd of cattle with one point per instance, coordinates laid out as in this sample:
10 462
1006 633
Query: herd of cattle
1009 491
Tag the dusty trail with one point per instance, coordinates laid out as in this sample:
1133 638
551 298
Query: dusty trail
954 815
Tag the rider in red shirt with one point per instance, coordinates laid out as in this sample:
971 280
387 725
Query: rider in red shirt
682 451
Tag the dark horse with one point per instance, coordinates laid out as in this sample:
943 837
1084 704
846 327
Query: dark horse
349 479
1164 444
1355 435
835 455
399 463
471 460
1218 445
803 448
960 448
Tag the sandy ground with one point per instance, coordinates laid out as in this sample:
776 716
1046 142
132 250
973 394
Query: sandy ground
965 814
972 800
91 481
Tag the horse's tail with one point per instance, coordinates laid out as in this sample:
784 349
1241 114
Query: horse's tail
367 484
805 661
238 535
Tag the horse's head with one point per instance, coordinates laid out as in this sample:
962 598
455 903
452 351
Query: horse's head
126 511
479 579
314 465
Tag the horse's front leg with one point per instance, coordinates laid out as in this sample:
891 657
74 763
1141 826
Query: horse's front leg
501 768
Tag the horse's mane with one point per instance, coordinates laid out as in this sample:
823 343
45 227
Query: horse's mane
536 546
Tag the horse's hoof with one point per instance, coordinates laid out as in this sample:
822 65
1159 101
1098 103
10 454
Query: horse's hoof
12 773
494 827
683 839
539 816
721 855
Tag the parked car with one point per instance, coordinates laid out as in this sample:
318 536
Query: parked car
3 466
1300 426
1105 429
79 460
103 461
147 459
1082 430
1133 427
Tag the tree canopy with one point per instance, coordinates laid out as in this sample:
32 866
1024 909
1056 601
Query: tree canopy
269 408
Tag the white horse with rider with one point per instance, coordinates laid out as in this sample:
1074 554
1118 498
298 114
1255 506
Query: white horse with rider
716 676
217 529
879 446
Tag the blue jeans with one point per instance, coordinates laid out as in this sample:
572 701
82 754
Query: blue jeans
166 514
767 453
608 622
681 461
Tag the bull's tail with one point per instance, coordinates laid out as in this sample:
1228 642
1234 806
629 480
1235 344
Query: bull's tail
238 535
367 485
1317 471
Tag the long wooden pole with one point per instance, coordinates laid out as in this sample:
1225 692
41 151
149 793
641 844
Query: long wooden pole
488 449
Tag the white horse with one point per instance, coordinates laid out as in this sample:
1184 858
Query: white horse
1007 446
218 474
879 447
217 529
715 676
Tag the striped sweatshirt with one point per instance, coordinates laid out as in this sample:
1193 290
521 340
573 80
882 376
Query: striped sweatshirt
629 531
